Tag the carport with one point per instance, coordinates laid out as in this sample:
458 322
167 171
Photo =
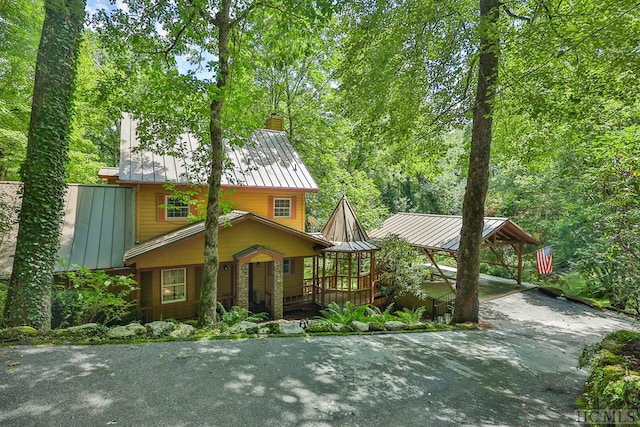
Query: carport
440 234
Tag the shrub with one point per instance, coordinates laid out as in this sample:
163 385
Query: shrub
3 299
614 382
411 317
91 297
346 314
239 314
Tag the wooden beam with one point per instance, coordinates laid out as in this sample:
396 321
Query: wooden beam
435 264
503 263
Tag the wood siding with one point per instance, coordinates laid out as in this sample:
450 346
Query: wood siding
231 240
151 223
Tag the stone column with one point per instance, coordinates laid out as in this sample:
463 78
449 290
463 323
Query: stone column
277 310
243 285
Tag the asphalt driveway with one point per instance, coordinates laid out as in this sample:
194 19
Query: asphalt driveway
520 372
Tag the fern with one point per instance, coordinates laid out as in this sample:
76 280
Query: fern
411 317
239 314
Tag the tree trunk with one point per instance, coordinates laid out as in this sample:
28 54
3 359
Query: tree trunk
209 293
43 171
466 304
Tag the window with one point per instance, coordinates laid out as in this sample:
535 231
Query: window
287 265
174 285
176 207
282 208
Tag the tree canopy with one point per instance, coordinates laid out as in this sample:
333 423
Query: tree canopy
378 98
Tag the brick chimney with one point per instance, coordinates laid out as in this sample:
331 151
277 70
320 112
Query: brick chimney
275 122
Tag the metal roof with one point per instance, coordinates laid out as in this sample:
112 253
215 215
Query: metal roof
442 232
198 227
344 231
98 225
267 160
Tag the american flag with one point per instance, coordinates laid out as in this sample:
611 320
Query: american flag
544 260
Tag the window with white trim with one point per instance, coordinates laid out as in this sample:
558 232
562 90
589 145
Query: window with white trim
282 208
176 207
286 267
174 285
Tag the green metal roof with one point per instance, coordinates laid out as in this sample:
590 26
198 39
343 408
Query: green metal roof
98 225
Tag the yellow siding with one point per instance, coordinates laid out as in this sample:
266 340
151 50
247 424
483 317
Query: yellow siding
254 201
257 202
148 225
296 277
232 240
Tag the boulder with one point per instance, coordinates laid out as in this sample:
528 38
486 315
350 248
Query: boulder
131 330
182 331
394 325
159 328
17 332
291 329
359 326
88 329
376 326
316 325
244 328
339 327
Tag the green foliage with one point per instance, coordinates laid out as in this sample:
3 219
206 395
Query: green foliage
411 317
92 297
394 261
346 314
43 171
20 32
239 314
3 298
614 382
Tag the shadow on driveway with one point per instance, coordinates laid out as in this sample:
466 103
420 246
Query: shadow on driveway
520 372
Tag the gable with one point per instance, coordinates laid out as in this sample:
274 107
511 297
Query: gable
238 231
266 160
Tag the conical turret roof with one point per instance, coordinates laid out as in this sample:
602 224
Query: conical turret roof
345 231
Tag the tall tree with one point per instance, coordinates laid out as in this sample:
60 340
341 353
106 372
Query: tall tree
43 171
170 102
468 272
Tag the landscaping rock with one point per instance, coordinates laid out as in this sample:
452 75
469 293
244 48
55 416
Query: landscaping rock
316 325
88 329
159 328
244 327
17 332
394 325
291 329
339 327
269 328
359 326
131 330
376 326
182 331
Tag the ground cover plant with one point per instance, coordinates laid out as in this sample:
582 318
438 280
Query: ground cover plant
614 382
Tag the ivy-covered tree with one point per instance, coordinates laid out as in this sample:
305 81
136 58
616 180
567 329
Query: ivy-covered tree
43 171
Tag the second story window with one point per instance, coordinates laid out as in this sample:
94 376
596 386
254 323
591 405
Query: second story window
176 207
281 208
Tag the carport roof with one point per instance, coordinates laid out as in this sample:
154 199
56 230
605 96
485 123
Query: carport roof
442 232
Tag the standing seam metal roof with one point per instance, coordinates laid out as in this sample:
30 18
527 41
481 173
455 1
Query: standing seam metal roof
97 226
442 232
267 160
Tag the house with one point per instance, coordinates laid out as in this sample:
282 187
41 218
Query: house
137 223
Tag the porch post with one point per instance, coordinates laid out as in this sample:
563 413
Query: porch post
277 310
243 285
